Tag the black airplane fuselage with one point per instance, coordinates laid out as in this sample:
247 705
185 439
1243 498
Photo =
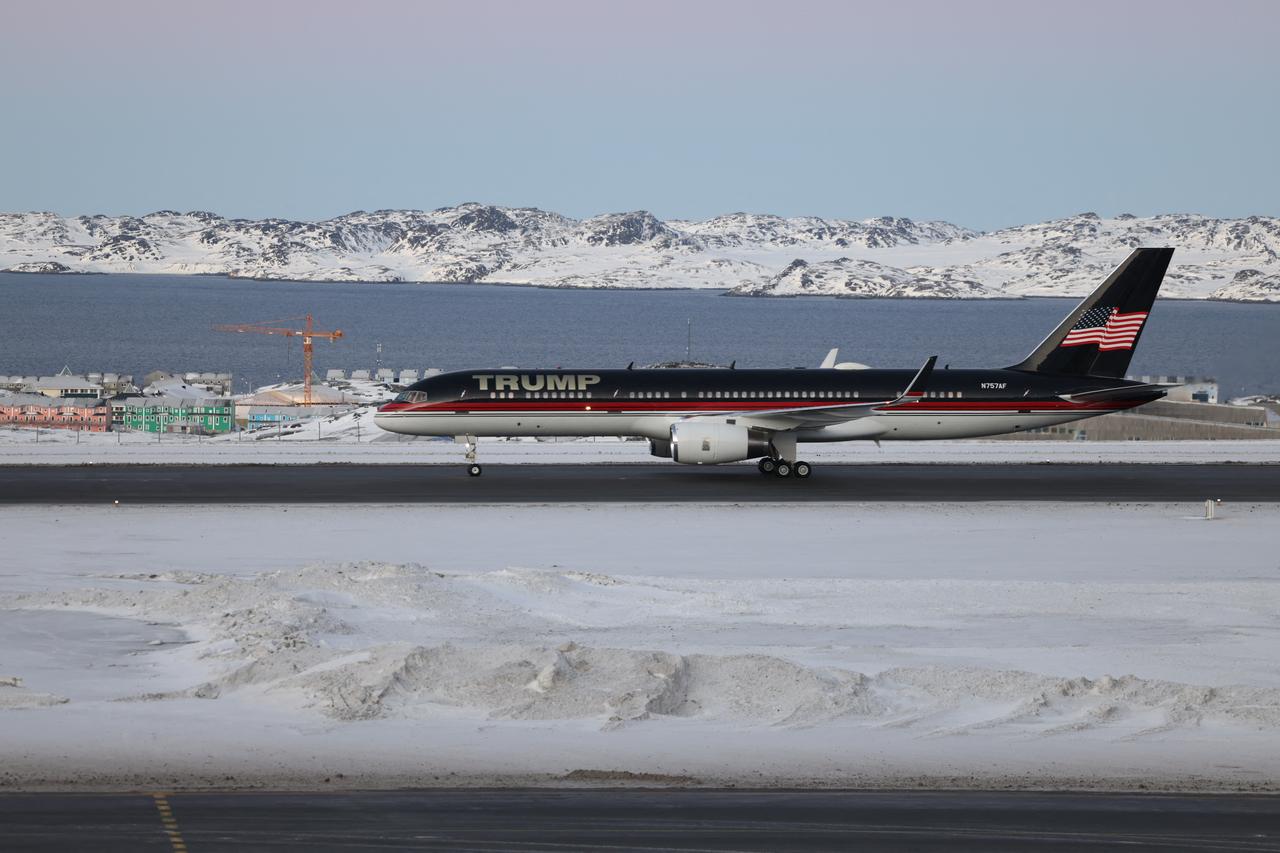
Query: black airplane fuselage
956 403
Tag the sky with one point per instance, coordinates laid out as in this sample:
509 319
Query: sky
982 112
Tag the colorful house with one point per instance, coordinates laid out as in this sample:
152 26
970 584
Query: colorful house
39 410
199 415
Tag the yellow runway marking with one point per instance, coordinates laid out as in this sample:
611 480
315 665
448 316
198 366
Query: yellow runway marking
169 822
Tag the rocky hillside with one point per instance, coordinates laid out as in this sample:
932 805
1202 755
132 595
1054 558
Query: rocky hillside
748 254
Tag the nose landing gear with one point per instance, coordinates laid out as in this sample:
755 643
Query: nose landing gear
469 442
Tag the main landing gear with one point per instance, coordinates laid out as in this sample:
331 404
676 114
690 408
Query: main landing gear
782 468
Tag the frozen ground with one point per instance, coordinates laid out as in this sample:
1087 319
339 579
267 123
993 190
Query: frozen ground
1084 646
340 440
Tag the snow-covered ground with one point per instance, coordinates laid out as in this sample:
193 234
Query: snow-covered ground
341 440
1102 646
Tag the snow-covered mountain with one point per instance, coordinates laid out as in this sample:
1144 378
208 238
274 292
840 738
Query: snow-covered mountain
849 277
748 254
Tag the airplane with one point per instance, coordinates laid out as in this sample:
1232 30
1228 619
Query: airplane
712 416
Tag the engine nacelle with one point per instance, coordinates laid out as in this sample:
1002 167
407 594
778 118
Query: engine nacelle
695 443
661 449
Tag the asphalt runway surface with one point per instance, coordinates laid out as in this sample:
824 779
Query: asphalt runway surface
504 484
637 820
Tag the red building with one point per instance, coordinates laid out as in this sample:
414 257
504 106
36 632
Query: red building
37 410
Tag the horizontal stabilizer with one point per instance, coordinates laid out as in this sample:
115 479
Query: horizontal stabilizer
1126 392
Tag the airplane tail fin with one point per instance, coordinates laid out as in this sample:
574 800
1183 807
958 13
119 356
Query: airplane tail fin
1099 336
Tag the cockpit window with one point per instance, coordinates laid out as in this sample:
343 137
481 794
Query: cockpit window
412 397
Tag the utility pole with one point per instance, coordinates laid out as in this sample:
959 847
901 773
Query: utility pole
688 346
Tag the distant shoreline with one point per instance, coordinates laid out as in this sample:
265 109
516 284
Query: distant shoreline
721 291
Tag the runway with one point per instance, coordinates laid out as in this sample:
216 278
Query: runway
508 484
638 820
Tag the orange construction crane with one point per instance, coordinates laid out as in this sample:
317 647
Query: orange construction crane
307 334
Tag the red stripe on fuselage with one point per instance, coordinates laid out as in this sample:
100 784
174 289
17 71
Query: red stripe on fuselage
745 406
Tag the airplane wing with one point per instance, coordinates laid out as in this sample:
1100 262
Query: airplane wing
817 416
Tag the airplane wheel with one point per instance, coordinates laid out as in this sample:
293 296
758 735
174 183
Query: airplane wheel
766 465
783 469
803 470
473 470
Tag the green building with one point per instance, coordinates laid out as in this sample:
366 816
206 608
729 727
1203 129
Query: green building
174 414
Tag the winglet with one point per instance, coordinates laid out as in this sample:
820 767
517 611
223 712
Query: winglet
916 388
830 361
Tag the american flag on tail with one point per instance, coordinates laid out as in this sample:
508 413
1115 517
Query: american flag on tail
1106 327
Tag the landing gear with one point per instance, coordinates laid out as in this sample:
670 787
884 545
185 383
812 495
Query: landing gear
469 442
782 468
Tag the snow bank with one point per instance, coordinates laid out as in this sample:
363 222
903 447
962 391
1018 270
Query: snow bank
295 639
848 654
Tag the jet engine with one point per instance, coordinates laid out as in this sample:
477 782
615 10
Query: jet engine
696 443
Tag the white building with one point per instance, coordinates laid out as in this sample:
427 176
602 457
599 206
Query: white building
64 384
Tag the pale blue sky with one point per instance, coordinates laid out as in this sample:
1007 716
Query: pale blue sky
985 113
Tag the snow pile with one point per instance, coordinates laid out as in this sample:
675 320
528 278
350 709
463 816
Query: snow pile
321 639
14 696
841 653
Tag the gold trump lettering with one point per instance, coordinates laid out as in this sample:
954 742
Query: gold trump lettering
535 381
